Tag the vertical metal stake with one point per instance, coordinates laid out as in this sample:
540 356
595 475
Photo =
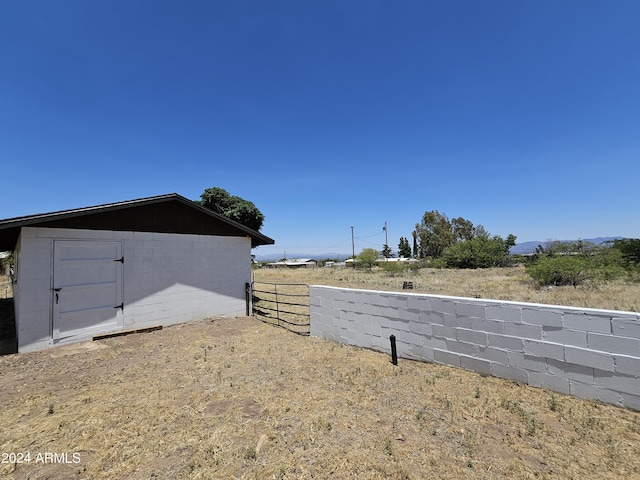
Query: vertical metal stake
394 353
247 297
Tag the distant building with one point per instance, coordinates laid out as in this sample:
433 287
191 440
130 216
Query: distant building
294 263
396 260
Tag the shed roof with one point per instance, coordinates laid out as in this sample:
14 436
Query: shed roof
170 213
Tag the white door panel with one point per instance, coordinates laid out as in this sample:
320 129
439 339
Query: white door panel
87 296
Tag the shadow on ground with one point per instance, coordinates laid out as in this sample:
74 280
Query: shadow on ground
8 341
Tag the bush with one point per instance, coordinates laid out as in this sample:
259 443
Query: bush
574 269
367 258
479 252
560 270
393 269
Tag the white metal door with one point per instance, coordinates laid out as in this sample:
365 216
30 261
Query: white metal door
87 288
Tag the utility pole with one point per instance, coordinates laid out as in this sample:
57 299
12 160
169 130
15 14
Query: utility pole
386 241
353 250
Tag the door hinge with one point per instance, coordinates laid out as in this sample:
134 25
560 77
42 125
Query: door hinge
121 306
121 260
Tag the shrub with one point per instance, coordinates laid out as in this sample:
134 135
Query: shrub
479 252
393 269
560 270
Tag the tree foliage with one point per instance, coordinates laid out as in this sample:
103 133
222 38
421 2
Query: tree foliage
479 252
367 258
233 207
404 250
458 243
630 251
575 263
434 233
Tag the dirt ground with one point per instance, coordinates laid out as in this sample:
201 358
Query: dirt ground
236 398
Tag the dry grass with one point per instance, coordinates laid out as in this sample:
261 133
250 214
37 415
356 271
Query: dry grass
497 283
236 398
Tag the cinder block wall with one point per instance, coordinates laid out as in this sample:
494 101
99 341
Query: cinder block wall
587 353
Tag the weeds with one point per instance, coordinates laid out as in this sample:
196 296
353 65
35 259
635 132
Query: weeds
388 447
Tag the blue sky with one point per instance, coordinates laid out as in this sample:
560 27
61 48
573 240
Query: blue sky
520 116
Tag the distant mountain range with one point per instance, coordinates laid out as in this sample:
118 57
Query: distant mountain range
530 247
518 249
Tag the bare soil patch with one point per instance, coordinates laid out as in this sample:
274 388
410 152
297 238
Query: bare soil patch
236 398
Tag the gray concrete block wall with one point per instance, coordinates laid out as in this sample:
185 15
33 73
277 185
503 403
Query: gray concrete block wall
588 353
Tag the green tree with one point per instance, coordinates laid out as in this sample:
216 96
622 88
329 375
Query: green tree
233 207
404 250
435 234
479 252
415 251
630 250
462 229
367 258
386 251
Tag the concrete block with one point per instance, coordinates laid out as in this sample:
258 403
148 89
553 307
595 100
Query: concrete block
587 322
505 342
490 326
504 312
493 355
613 344
447 358
356 327
542 316
422 354
412 338
470 309
372 329
456 321
444 331
383 322
462 347
592 392
442 305
627 365
589 358
625 327
362 339
435 342
420 328
475 364
432 317
533 332
407 315
472 336
527 362
618 382
381 344
399 302
550 382
544 349
509 373
630 401
571 371
419 303
565 336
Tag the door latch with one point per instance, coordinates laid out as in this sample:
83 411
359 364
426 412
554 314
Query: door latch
57 294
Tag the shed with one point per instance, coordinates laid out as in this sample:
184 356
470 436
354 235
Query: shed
142 263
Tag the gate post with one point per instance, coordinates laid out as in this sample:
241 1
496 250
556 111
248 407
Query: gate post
247 296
